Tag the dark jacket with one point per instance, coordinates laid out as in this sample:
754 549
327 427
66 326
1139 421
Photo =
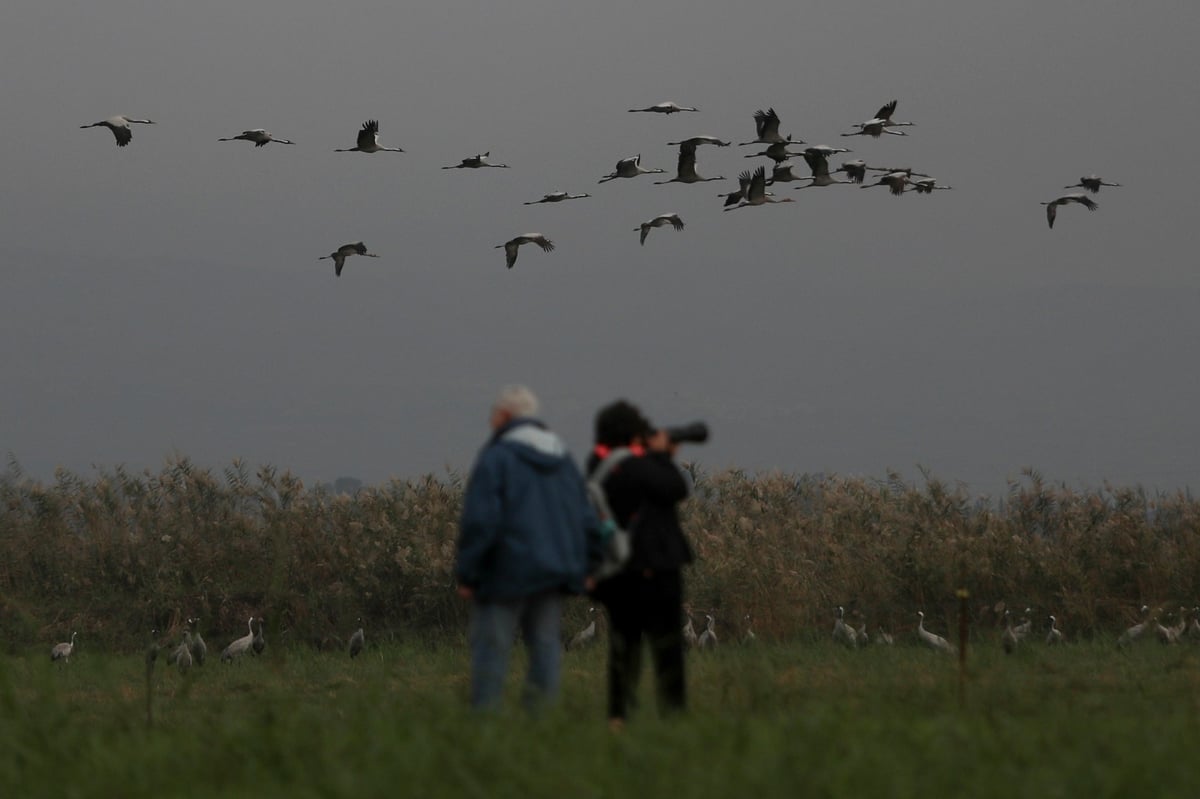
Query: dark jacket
526 522
643 493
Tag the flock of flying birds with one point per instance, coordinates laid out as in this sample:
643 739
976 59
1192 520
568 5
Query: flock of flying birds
752 187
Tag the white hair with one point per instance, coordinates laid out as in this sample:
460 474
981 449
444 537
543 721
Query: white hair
517 400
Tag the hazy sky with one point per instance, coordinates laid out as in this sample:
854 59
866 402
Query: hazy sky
166 298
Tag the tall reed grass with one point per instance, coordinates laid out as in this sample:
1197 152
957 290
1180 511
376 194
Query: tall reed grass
117 553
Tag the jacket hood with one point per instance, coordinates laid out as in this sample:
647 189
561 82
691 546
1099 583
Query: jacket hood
535 444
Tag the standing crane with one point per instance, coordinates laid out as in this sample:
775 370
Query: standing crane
587 635
842 632
357 640
1092 183
119 125
1009 639
685 170
476 162
557 197
259 643
368 140
1135 632
240 646
1054 635
662 219
663 108
510 246
708 638
756 193
884 637
181 658
63 651
932 640
749 636
345 251
630 168
1077 197
260 137
199 648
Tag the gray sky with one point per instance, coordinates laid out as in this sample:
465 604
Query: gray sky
166 298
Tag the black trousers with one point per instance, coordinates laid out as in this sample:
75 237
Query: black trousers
644 606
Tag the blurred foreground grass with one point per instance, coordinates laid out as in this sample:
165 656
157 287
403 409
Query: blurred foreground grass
766 720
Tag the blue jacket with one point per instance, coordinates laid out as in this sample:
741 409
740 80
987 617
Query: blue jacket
527 523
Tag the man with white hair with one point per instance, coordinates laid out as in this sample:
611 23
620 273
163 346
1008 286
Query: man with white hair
526 530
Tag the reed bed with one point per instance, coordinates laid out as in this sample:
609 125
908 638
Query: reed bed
117 553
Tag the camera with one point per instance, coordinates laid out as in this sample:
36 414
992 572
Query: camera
694 433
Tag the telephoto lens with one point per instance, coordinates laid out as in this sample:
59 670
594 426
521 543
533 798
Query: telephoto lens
694 433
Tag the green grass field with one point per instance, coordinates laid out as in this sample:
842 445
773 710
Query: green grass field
796 720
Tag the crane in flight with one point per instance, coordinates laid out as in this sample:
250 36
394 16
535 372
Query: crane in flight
368 140
510 246
818 162
880 124
756 192
557 197
685 170
119 125
1092 183
766 129
339 260
671 219
476 162
1077 197
260 137
663 108
696 141
630 168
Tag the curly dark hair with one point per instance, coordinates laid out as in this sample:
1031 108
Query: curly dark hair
619 423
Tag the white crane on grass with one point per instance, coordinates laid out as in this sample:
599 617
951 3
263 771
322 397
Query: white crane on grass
1054 635
199 648
357 640
932 640
119 125
63 651
1136 631
842 632
239 646
510 246
708 638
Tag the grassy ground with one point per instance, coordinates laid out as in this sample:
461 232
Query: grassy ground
766 720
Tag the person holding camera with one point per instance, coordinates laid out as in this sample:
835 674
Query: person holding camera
644 599
527 534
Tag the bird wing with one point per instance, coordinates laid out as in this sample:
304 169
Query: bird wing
1051 212
123 134
339 260
543 242
675 221
645 232
886 111
687 161
758 184
817 162
510 252
369 134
